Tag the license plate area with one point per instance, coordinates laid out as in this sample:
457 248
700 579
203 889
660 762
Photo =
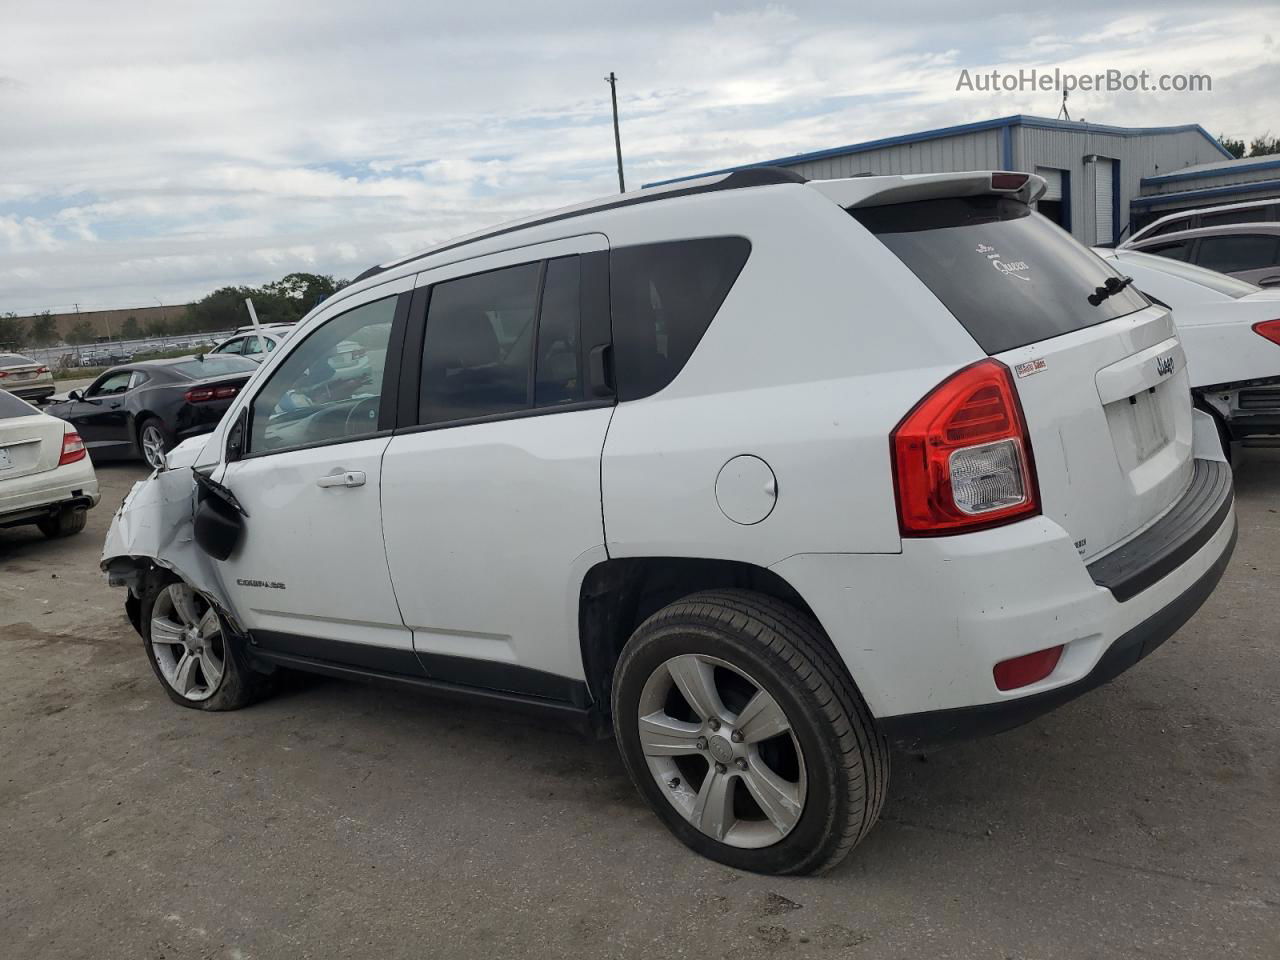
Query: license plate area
1150 428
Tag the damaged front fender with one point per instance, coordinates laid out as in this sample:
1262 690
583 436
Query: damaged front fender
154 531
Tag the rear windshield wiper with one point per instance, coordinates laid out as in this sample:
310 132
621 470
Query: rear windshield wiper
1113 286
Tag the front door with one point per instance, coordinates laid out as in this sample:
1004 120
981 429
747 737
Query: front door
101 418
310 578
491 492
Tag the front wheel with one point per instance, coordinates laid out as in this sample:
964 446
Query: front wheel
192 653
743 732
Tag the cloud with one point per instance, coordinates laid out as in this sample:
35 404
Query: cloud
167 150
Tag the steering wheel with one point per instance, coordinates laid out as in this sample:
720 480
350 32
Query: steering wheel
367 407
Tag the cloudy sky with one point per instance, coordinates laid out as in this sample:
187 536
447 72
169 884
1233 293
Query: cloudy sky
156 150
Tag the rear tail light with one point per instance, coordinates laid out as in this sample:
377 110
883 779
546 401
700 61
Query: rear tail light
1027 669
1270 329
962 456
205 394
3 374
72 448
43 370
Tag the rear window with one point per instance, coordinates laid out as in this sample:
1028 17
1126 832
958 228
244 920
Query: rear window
664 296
11 406
1218 282
214 366
14 360
1008 275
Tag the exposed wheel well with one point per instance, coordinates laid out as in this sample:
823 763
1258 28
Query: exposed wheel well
618 595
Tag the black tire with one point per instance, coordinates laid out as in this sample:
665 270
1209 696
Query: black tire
166 435
65 523
786 651
240 684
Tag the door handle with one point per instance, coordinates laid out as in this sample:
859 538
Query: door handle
342 478
116 405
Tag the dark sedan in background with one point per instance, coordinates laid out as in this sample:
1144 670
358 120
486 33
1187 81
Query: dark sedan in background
144 409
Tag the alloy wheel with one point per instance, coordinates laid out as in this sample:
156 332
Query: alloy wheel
153 445
187 640
722 750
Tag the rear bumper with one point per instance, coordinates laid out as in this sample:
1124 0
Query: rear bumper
961 723
24 499
922 630
33 391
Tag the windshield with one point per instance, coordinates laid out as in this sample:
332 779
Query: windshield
210 366
1008 275
1218 282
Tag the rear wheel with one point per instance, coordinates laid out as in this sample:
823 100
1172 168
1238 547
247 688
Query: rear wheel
744 734
67 521
154 441
196 659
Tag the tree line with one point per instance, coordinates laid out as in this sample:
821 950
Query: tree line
1263 146
286 300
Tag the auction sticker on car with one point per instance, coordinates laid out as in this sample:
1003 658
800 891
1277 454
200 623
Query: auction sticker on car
1030 367
6 461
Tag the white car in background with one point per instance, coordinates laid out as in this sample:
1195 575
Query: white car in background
25 378
255 346
1230 330
46 477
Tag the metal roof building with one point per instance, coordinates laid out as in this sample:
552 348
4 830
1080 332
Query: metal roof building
1097 174
1223 181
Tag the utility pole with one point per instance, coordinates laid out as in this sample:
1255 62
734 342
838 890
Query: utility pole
617 138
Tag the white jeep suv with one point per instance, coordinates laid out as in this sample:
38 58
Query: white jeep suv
761 474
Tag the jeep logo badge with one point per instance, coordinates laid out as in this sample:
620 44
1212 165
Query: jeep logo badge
1164 366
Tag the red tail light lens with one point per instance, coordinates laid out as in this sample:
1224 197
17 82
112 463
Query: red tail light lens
3 374
1270 329
72 448
962 456
205 394
1027 669
43 370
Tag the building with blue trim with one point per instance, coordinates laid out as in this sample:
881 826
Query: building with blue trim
1104 181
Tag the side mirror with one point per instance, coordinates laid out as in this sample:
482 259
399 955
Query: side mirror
75 395
237 435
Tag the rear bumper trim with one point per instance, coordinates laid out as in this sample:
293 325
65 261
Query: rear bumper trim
933 727
1172 540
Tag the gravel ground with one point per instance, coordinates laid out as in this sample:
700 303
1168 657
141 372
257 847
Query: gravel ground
342 821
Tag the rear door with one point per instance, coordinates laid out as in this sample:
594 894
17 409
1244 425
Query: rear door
1100 373
310 577
491 485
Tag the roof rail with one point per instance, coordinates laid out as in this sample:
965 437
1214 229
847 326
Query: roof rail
737 180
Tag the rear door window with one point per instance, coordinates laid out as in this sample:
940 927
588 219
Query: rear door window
663 297
1172 227
1247 215
1009 276
1237 252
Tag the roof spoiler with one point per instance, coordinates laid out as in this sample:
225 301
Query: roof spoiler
908 188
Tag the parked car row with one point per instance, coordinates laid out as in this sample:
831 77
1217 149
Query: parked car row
681 465
1241 240
46 478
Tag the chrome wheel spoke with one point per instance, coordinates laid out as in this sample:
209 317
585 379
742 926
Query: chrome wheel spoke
697 682
164 630
713 810
664 736
780 799
184 604
184 676
761 719
208 626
